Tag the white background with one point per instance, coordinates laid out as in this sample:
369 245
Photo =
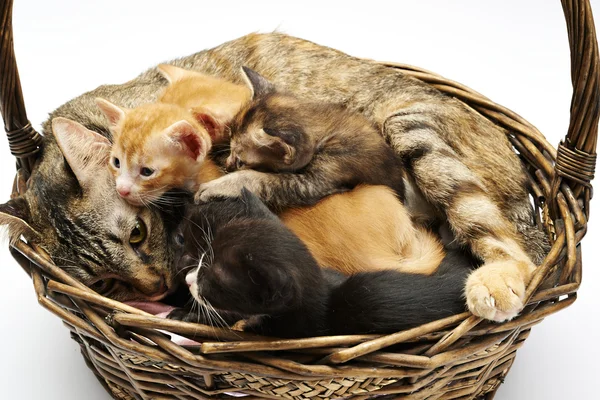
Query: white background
515 52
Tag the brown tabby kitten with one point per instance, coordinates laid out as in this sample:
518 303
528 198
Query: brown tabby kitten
443 143
314 149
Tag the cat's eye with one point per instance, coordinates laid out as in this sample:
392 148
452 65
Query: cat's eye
179 239
103 286
116 162
238 163
145 171
270 132
138 233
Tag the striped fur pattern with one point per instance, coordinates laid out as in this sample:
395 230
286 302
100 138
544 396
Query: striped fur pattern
386 97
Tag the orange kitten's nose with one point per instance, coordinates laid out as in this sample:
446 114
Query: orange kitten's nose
123 192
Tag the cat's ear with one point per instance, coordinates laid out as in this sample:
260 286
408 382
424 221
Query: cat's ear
14 214
86 151
185 137
172 73
213 123
258 84
255 207
278 141
114 113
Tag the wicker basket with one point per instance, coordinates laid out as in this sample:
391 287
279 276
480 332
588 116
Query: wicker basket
457 357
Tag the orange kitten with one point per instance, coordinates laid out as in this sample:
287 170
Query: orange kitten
212 100
161 146
156 147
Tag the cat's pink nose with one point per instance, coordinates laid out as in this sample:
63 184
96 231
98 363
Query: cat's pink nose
189 281
123 192
191 278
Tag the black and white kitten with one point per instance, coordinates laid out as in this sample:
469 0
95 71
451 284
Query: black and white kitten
243 262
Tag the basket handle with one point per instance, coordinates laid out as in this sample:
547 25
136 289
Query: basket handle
576 156
23 141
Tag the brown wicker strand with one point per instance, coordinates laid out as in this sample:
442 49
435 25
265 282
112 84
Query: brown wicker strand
582 134
24 141
575 164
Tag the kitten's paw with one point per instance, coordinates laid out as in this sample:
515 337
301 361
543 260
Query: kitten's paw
227 186
210 191
181 314
496 291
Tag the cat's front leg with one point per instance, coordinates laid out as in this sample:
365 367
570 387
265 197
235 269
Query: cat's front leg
230 185
495 291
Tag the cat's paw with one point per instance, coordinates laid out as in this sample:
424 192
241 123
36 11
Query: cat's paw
230 185
496 291
185 315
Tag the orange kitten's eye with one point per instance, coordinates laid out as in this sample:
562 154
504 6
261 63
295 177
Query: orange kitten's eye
116 162
145 171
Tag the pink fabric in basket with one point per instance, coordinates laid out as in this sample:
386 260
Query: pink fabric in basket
162 310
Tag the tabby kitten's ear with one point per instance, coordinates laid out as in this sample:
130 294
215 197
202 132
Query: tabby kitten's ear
15 215
114 113
86 151
278 141
186 138
173 74
258 84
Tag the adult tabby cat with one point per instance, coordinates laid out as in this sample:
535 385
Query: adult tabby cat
441 141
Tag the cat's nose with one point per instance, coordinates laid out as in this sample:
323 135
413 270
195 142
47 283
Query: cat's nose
161 285
123 192
230 164
191 277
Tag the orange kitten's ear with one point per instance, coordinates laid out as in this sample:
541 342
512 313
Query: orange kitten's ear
173 73
258 84
114 113
86 151
213 124
186 138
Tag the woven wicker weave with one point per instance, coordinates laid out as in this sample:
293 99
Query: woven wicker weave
460 357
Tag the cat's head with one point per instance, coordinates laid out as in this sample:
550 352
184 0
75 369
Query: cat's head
270 133
156 147
71 211
241 258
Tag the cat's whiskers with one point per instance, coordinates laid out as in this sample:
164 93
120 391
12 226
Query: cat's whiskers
209 239
217 152
206 236
219 319
185 269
